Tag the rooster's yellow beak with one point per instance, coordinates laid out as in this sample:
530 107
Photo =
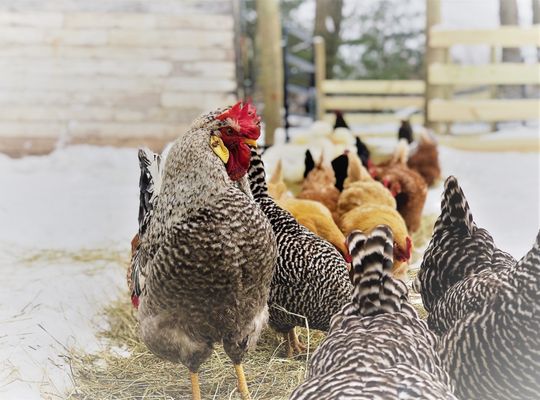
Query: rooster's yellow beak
251 142
219 148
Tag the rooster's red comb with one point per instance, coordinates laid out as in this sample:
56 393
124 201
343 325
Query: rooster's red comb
243 118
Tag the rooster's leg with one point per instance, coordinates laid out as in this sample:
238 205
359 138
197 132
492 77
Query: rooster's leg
242 384
195 389
293 343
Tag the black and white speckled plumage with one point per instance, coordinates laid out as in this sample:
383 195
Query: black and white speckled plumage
206 259
458 250
310 277
149 187
377 346
484 304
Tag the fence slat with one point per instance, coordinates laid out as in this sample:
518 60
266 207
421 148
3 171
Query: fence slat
483 110
371 118
505 36
372 103
373 87
490 74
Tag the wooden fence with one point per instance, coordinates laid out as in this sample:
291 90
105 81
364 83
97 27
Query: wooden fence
443 75
368 101
364 101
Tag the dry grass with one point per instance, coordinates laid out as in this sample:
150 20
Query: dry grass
80 255
127 370
138 374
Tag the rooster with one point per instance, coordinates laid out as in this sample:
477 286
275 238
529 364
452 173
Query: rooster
310 280
484 304
202 269
377 346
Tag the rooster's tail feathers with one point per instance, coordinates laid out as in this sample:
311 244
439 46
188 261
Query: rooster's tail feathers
149 185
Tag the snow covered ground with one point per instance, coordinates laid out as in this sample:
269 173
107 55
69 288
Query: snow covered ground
67 220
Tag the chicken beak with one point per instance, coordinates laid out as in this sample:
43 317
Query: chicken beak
251 142
219 148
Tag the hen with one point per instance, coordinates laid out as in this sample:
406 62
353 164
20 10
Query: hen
310 281
319 185
276 185
484 304
424 159
406 185
365 204
312 214
203 267
377 346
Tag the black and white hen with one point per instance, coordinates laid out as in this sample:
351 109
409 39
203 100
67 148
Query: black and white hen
484 304
377 346
310 281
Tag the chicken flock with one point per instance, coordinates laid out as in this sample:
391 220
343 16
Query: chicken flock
222 250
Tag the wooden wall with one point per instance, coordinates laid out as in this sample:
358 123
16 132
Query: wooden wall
114 71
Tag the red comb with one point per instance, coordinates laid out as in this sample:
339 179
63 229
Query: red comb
243 118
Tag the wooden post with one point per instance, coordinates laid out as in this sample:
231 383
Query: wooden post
494 90
320 74
433 55
270 65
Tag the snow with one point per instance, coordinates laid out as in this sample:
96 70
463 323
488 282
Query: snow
84 199
53 208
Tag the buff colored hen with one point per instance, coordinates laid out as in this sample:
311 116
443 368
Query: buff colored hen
365 204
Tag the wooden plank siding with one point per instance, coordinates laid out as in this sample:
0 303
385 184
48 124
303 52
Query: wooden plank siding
114 69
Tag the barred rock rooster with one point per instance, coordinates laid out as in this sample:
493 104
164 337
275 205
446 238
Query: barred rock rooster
310 277
484 304
202 270
377 347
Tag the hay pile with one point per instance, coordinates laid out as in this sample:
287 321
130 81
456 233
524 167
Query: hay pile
127 370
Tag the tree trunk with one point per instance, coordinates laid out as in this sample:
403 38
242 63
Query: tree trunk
328 17
508 13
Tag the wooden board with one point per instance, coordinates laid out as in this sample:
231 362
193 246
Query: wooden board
373 87
483 110
505 36
370 118
491 74
372 103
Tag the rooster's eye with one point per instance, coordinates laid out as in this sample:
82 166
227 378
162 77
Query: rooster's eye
229 131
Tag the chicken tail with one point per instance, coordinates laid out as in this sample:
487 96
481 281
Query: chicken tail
375 290
149 186
356 171
309 163
454 208
401 154
257 175
527 272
